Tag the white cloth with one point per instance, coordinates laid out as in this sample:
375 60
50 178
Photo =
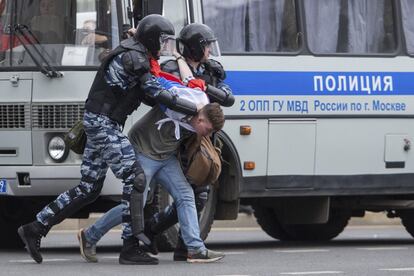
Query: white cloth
196 96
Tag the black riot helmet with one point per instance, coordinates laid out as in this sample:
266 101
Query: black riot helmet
194 38
156 33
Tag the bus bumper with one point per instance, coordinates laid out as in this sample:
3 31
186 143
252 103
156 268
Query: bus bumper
47 180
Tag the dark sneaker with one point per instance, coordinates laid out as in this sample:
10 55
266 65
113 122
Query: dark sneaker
131 254
87 250
31 235
206 256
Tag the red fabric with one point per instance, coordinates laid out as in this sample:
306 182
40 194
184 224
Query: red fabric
170 77
156 71
155 67
197 83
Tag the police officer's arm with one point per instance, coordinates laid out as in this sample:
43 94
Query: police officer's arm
185 71
221 93
155 92
137 64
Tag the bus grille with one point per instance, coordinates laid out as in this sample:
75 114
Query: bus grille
56 116
14 116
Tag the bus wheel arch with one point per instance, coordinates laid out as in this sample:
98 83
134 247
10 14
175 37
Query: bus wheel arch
228 190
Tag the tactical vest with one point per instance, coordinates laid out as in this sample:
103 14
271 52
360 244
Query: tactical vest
112 101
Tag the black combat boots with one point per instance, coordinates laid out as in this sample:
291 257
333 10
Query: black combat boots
131 254
31 234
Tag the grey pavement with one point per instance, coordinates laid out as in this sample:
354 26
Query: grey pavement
358 251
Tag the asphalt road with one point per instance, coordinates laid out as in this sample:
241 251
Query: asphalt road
359 250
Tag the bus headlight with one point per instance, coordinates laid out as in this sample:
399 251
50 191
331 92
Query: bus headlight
57 149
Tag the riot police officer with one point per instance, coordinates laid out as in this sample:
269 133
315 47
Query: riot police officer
195 43
122 82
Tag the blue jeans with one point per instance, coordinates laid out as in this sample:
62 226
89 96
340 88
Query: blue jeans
170 175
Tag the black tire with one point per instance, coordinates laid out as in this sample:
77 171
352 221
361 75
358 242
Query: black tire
168 239
266 218
207 215
15 212
407 219
318 232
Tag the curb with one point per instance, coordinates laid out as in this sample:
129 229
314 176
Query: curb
371 218
243 221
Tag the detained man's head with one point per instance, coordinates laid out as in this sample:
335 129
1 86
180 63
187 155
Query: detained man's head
208 120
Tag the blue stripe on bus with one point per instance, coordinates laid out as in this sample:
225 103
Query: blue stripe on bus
302 83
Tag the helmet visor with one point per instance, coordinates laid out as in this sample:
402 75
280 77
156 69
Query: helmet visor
167 45
214 48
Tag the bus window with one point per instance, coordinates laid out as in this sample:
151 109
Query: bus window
2 26
177 13
67 32
407 7
350 26
261 26
4 37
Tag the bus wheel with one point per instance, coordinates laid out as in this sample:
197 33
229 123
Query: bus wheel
168 239
407 219
318 232
266 218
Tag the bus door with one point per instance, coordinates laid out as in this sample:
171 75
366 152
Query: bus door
291 150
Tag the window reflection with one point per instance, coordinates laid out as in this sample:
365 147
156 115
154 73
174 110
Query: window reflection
68 32
253 25
350 26
407 7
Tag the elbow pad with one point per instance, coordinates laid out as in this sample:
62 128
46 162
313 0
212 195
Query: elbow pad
215 67
175 103
155 92
221 96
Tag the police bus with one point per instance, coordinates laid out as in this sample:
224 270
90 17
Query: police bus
321 130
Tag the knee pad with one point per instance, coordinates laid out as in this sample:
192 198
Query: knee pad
139 182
